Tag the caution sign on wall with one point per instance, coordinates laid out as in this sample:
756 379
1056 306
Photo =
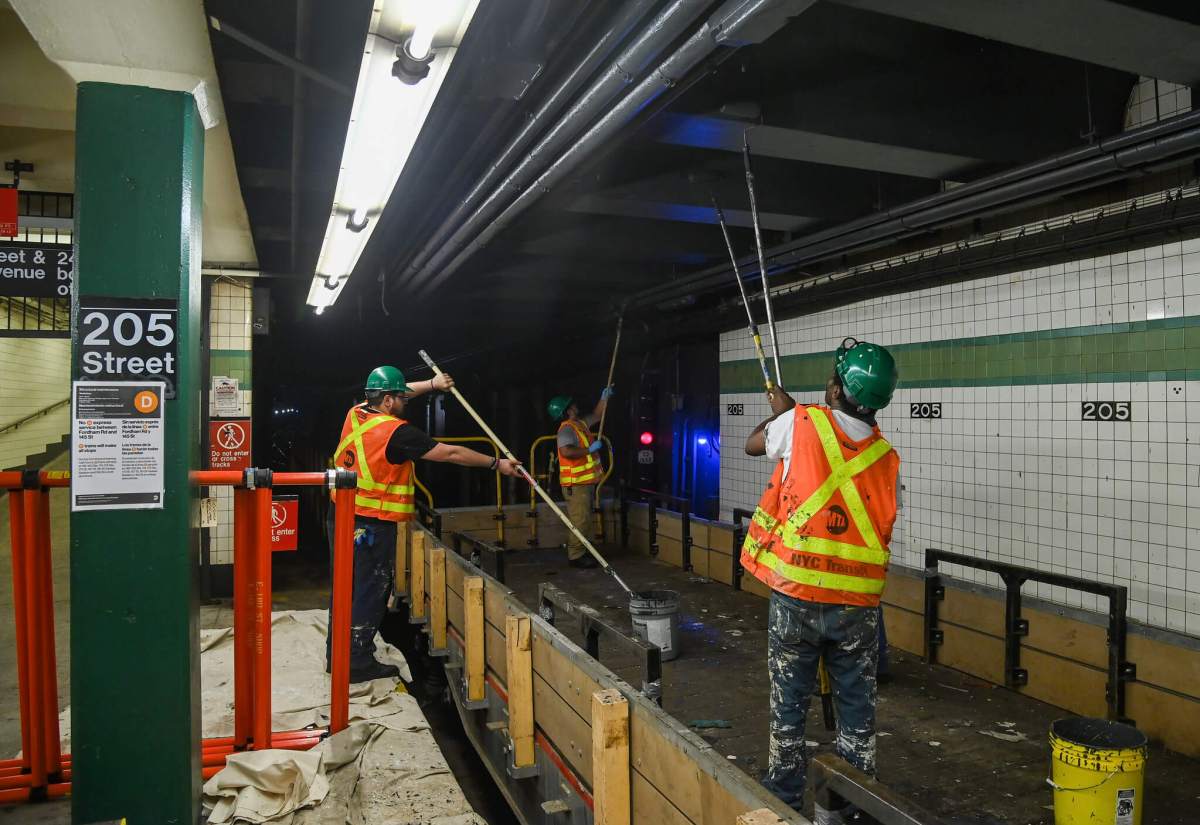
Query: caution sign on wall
229 444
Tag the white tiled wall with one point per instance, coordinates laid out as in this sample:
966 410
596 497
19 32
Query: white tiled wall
1011 473
1173 99
229 330
34 373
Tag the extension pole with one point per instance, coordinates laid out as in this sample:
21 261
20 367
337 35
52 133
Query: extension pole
758 347
762 261
608 568
612 368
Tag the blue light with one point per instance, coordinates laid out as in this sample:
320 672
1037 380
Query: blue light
702 441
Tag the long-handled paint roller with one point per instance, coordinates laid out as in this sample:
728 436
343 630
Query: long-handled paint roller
753 327
525 474
762 261
612 368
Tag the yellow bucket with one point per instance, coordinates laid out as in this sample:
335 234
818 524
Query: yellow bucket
1096 769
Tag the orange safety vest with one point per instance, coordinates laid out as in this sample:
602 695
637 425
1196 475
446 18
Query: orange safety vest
573 471
821 534
385 490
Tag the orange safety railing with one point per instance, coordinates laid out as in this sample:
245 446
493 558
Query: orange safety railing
42 771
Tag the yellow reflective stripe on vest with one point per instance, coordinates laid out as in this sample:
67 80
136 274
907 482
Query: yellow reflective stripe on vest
818 578
355 437
814 544
379 504
841 478
765 520
839 549
389 489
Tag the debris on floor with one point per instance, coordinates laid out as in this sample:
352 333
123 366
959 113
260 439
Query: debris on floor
701 724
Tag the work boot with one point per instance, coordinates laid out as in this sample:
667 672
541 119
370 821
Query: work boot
373 669
585 562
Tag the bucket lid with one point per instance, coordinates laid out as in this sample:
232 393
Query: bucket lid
1101 734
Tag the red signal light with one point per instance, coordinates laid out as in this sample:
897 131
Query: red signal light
647 438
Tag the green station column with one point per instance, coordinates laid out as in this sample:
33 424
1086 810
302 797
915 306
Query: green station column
135 669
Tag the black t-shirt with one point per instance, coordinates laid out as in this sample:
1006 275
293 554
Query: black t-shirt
408 443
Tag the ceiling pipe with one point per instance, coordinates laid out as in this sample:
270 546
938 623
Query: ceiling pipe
1140 150
668 25
736 23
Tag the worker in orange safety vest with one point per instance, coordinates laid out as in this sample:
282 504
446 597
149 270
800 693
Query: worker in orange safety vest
380 446
579 468
819 539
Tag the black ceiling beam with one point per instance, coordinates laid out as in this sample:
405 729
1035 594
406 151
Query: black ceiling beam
1100 32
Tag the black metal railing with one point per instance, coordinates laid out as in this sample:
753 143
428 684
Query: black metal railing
836 782
430 518
1016 627
739 538
554 601
652 498
476 550
26 419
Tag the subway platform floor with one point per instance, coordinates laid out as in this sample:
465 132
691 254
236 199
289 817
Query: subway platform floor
298 586
944 736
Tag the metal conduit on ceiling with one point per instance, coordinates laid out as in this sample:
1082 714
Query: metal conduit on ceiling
1169 142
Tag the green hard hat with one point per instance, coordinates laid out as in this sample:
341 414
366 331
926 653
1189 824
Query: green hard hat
868 373
558 405
386 379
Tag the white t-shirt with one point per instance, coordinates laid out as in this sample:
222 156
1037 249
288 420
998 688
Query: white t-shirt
779 434
778 437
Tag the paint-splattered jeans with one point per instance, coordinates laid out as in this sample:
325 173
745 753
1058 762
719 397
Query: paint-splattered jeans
797 633
374 567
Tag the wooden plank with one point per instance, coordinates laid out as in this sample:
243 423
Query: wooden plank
403 532
762 816
1166 665
570 733
474 637
1069 638
495 606
699 530
972 610
972 652
720 538
1170 719
1063 683
905 629
454 612
670 550
610 757
520 688
670 525
700 561
437 598
663 765
650 806
720 567
753 585
563 675
903 590
420 540
455 573
495 652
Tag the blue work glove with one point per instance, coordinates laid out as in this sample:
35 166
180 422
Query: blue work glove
606 393
596 446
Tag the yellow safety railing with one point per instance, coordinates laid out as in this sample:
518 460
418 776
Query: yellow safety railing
421 486
479 439
548 476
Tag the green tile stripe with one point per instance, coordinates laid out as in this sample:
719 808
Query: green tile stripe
1167 349
232 363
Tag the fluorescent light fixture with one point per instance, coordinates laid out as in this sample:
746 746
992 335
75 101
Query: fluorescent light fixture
385 121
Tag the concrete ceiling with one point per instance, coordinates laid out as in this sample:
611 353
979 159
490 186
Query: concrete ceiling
158 43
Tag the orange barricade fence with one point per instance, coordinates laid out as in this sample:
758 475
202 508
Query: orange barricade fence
42 771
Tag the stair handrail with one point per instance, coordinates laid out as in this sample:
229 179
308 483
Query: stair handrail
43 411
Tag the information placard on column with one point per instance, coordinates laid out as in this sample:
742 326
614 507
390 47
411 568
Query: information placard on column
117 445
